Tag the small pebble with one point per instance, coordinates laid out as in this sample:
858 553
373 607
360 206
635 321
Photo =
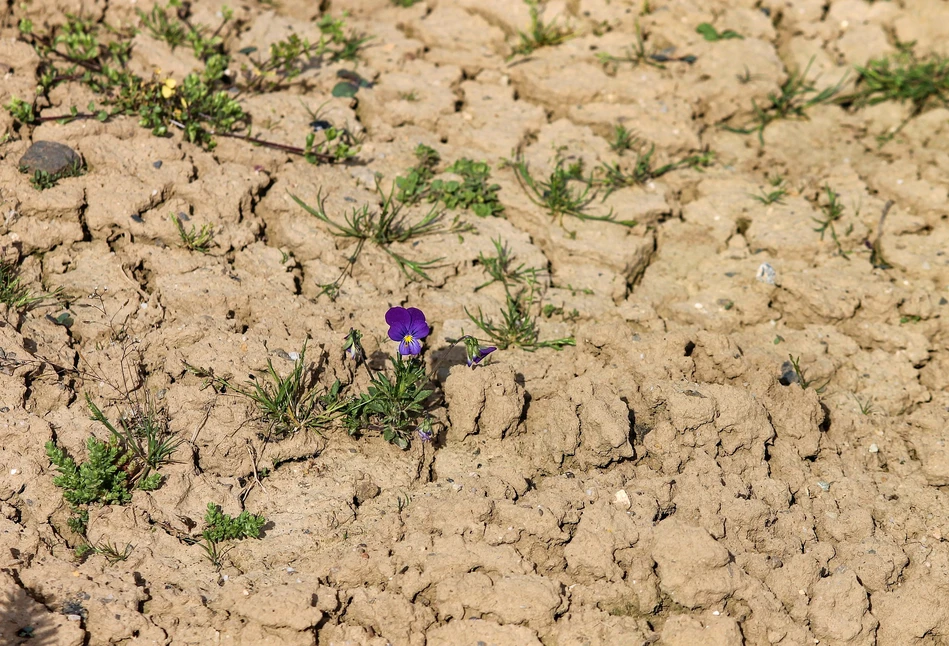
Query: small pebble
766 274
823 485
874 448
157 164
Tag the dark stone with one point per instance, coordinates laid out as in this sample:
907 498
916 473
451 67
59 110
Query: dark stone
157 164
50 157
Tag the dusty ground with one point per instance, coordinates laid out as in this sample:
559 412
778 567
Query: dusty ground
657 483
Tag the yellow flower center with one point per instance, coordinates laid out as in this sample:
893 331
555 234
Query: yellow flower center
408 338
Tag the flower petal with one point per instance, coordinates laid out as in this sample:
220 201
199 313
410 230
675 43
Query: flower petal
417 324
411 348
398 319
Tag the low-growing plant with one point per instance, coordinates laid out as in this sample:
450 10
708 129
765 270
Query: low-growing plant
128 461
903 77
195 239
413 188
566 192
777 193
500 268
517 327
709 33
42 180
637 54
540 34
286 404
15 294
107 549
222 527
613 176
382 227
473 192
799 373
832 211
796 96
623 139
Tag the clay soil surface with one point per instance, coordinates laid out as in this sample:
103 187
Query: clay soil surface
670 479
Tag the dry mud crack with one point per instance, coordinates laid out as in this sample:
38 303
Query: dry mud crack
745 442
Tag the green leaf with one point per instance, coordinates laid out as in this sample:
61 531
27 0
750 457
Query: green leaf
344 90
708 32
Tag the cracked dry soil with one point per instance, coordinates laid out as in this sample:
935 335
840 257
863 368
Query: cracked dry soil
666 481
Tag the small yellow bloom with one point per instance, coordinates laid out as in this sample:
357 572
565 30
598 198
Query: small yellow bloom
168 88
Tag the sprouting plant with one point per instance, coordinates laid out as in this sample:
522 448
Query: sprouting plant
903 77
102 479
145 439
404 3
776 194
42 180
866 406
411 97
414 186
223 527
637 54
540 34
800 375
518 324
559 193
500 267
833 210
472 192
712 35
108 549
195 240
623 139
383 227
797 95
21 111
613 176
14 293
287 404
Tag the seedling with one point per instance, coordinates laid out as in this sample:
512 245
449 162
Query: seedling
518 324
903 77
223 527
15 294
195 240
414 187
801 379
777 193
472 192
623 139
42 180
833 210
540 34
566 192
613 176
637 54
797 95
712 35
382 228
287 404
501 269
109 550
866 406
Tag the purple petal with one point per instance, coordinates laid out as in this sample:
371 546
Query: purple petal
411 348
398 319
417 325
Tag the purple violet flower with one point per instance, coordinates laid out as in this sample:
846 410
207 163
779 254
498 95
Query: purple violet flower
425 431
475 351
408 327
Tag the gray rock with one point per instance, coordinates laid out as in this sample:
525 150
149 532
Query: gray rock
50 157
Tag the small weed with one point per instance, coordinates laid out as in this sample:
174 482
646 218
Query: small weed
195 240
799 373
910 319
796 96
518 325
623 139
411 97
42 180
223 527
14 293
383 227
145 439
501 269
287 404
903 77
559 193
472 192
833 211
414 186
712 35
637 54
109 550
613 177
540 34
21 111
404 3
866 406
777 193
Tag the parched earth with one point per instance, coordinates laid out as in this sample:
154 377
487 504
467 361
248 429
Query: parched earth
667 480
